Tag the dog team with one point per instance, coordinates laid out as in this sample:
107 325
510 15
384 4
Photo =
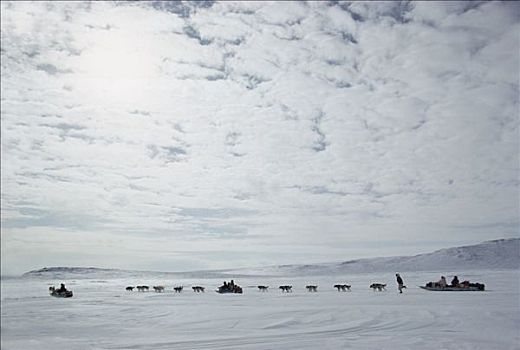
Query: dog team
284 288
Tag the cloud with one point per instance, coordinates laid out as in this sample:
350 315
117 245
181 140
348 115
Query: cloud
250 126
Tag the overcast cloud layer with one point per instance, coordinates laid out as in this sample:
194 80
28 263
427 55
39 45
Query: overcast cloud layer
177 136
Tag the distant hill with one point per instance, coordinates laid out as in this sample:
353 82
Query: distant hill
78 272
60 272
497 254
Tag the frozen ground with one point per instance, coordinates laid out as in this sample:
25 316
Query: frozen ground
102 315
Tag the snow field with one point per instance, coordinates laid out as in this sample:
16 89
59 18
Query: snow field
102 315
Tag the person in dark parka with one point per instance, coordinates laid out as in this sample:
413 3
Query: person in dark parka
455 282
400 283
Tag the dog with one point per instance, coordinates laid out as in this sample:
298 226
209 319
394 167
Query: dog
378 286
198 289
263 288
312 288
158 289
342 287
142 288
130 288
286 288
178 289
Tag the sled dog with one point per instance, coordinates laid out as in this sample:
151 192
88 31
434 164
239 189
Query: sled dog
378 286
286 288
342 287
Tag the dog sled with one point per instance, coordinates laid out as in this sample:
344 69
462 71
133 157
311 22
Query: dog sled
463 287
66 294
60 293
230 287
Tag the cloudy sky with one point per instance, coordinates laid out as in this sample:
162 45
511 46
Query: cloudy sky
199 135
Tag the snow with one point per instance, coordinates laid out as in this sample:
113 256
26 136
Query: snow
103 315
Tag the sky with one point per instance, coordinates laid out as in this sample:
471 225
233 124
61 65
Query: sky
177 136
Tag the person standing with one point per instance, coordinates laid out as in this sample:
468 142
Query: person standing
400 283
442 283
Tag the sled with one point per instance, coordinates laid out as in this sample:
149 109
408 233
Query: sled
478 288
228 291
67 294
